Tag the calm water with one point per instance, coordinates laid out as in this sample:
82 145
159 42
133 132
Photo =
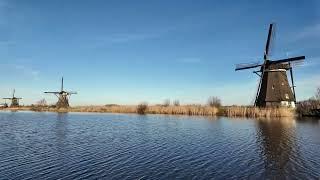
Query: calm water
117 146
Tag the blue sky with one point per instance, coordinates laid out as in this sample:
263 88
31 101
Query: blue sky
127 52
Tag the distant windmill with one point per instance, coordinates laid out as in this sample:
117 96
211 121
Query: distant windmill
14 100
63 96
274 88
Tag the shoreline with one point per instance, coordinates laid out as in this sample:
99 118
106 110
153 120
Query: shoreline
189 110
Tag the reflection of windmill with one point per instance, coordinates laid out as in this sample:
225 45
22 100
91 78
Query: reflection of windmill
63 96
276 139
274 88
14 100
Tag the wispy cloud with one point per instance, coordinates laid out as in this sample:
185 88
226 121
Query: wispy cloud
21 70
28 71
119 38
306 87
190 60
123 38
4 5
309 32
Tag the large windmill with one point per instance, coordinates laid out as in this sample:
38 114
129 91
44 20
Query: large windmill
14 100
63 96
274 88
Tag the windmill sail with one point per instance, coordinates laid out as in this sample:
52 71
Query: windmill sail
274 88
63 96
247 66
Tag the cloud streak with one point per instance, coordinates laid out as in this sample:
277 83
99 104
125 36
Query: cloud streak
23 70
28 71
309 32
190 60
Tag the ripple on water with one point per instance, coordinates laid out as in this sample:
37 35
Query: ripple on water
109 146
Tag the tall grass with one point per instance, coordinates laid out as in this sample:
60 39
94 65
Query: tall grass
145 109
102 109
193 110
254 112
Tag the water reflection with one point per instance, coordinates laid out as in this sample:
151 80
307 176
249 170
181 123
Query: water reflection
116 146
277 143
61 128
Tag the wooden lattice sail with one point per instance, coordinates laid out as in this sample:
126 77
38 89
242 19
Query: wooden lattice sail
63 96
274 88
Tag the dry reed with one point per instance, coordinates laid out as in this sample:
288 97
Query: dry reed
254 112
193 110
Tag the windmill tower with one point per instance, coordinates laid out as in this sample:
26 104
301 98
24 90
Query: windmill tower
274 88
14 100
63 96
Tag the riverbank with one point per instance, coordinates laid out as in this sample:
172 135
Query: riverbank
193 110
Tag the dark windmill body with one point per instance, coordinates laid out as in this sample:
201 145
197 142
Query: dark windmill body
14 100
63 96
274 88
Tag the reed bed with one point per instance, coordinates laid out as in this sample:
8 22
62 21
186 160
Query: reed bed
105 109
192 110
254 112
174 110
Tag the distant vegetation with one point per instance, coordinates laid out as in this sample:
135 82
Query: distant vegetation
176 103
166 103
42 103
212 108
214 101
310 107
142 108
255 112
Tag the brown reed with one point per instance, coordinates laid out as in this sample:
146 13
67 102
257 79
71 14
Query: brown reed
254 112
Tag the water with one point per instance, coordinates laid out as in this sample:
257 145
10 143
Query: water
118 146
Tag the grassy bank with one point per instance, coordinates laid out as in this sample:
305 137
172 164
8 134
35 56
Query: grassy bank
194 110
254 112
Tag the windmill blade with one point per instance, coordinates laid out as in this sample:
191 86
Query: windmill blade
52 92
72 92
266 51
292 83
246 66
62 84
291 60
6 98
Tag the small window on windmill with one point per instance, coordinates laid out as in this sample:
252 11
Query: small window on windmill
282 83
272 87
287 96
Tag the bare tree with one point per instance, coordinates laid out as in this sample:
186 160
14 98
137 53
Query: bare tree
142 108
166 103
42 102
214 101
176 103
317 95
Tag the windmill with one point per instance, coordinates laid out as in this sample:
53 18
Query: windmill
14 100
274 88
63 96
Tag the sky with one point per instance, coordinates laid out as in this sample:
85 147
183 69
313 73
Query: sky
127 52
